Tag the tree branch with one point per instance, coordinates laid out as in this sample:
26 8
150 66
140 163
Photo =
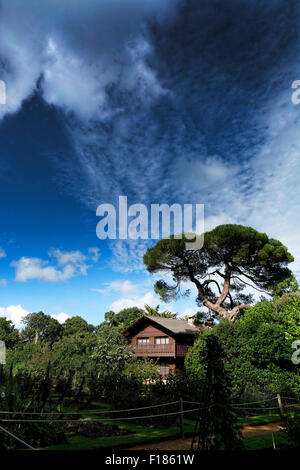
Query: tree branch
215 282
253 287
226 285
235 311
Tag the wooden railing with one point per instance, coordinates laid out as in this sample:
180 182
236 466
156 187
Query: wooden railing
155 349
182 349
161 350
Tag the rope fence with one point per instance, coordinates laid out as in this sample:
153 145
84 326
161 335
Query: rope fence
95 420
237 406
102 415
17 438
88 412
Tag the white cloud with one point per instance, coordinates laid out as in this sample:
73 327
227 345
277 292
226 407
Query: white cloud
2 253
189 311
138 301
128 255
36 268
61 317
273 203
74 50
68 265
3 282
124 287
70 258
15 313
67 257
210 171
94 254
215 220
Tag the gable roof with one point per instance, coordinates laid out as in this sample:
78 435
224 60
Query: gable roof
170 324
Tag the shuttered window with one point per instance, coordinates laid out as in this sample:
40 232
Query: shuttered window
143 341
162 340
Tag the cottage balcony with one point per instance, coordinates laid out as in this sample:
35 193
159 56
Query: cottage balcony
161 350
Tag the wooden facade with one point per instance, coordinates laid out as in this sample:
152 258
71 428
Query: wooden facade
164 339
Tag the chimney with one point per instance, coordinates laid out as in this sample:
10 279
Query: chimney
191 320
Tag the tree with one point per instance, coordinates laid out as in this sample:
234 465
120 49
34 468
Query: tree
125 317
111 352
258 348
76 325
232 258
39 326
203 319
154 312
129 315
110 317
219 427
8 333
74 353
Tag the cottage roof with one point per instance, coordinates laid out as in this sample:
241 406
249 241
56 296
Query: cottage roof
171 324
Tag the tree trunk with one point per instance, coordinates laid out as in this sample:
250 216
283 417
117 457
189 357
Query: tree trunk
36 338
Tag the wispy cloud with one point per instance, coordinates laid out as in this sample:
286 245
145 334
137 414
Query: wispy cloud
68 265
122 287
192 109
78 52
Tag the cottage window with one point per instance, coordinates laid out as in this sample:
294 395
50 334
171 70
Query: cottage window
162 340
164 368
143 341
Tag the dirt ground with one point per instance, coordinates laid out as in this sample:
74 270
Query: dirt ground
185 444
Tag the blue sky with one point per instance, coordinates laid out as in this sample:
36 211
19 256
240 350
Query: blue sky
162 101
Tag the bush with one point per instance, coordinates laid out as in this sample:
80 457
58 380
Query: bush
291 426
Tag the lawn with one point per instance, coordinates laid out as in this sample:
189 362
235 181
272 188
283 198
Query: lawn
140 434
264 441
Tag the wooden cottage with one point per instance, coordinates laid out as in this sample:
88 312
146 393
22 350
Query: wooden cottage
164 339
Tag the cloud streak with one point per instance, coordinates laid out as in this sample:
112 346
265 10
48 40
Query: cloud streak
68 265
186 102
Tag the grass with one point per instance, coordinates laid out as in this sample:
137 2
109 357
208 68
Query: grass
259 419
140 434
264 441
251 420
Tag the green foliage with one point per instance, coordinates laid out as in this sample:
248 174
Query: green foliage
129 315
291 426
40 327
219 425
154 312
258 348
26 392
144 369
76 325
111 352
125 317
233 252
8 333
74 352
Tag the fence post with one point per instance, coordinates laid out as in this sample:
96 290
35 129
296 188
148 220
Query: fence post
280 405
181 418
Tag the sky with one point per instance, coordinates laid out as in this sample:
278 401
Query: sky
163 101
